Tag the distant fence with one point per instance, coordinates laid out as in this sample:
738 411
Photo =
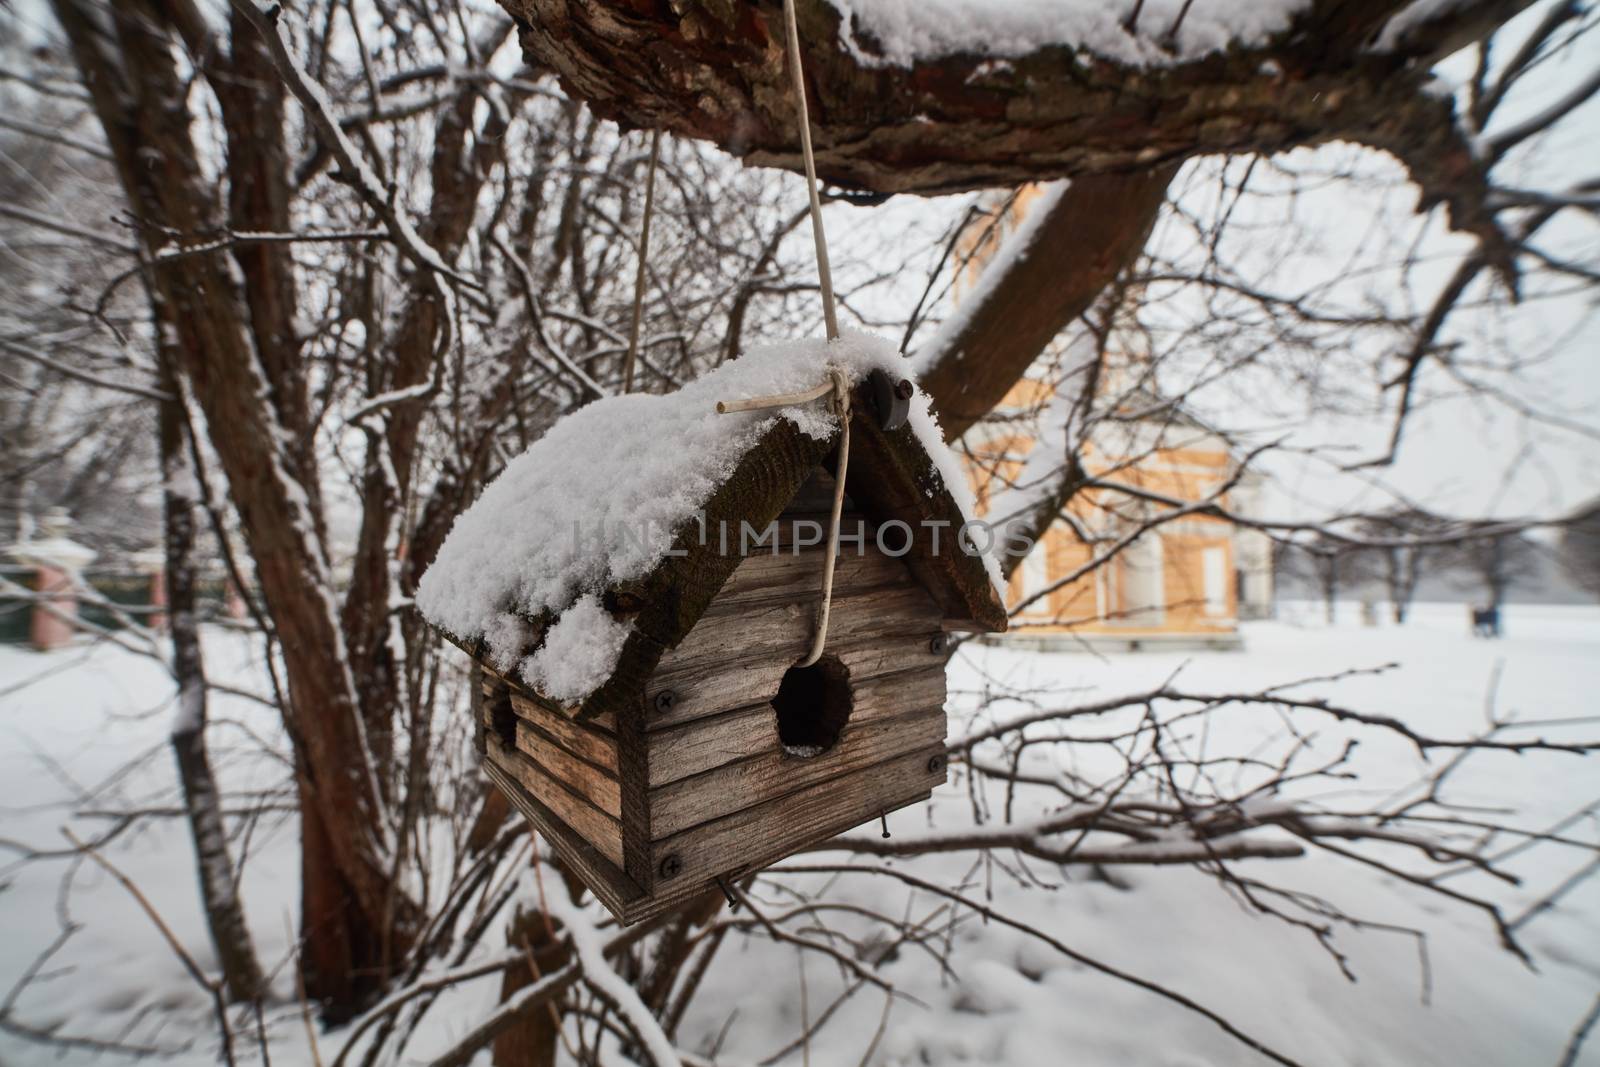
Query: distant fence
128 592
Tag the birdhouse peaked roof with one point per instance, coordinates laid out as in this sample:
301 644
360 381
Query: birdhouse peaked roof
600 547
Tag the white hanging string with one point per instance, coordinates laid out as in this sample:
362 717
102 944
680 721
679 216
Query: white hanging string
837 384
841 407
824 275
644 254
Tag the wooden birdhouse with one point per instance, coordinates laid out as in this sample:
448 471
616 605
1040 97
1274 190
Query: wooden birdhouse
640 585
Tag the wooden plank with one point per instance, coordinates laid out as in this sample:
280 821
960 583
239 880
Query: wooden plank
605 722
816 495
761 835
782 630
692 748
709 685
905 484
588 822
632 754
797 576
599 787
583 739
771 774
613 888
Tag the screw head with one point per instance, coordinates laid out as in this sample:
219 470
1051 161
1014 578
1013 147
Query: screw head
939 644
904 389
666 700
935 764
671 867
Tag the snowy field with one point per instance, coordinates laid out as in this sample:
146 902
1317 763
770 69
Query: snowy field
84 714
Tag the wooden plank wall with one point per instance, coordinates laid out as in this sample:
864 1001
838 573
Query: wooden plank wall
570 768
701 777
724 796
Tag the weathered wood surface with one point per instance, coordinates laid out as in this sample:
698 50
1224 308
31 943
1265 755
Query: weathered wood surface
709 685
614 889
771 774
695 747
584 739
761 835
636 814
601 830
782 630
599 787
816 495
606 722
788 574
906 485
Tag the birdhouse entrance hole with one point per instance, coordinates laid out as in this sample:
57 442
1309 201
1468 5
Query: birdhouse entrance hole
499 719
813 704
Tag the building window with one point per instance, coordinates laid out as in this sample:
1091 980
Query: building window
1144 585
1214 568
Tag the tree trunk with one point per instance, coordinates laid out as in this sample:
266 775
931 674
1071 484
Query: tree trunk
347 863
219 890
1330 587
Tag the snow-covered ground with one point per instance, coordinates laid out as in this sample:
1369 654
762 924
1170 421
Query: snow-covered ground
1011 1000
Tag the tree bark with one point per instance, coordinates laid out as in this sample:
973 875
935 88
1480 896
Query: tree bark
360 921
219 889
1094 230
715 70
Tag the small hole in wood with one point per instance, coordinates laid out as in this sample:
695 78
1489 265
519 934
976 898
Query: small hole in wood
498 718
813 704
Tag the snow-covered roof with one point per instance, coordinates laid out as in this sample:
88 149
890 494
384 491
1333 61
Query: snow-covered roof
615 493
904 32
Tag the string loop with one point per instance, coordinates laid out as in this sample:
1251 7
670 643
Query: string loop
837 389
824 274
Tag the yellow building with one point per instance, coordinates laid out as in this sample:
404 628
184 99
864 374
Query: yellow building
1114 569
1117 569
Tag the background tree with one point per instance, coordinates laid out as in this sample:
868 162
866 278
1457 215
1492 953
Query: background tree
1405 553
1494 562
1580 548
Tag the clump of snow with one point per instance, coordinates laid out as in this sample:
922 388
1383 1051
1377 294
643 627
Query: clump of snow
579 653
600 498
902 32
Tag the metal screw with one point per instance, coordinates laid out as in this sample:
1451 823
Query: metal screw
904 389
939 644
935 764
666 700
672 866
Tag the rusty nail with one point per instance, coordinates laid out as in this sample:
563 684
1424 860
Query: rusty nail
672 866
665 700
935 764
904 389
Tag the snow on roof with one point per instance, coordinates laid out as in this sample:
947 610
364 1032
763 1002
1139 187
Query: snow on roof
598 499
902 32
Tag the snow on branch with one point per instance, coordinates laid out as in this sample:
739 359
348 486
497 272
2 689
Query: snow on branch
324 118
622 996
